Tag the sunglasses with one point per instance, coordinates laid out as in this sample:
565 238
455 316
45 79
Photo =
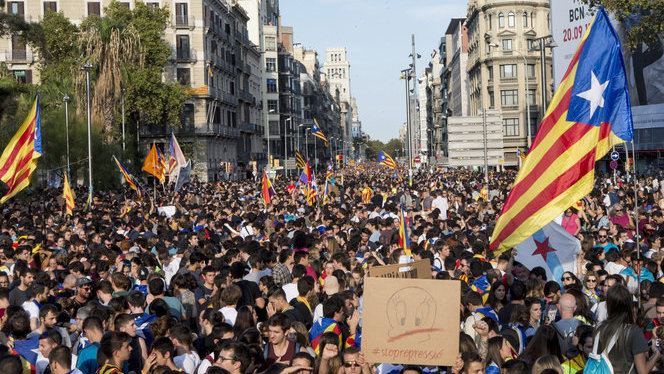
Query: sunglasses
603 236
592 280
350 364
566 278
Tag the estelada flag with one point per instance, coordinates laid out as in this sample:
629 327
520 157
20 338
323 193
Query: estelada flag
129 178
67 196
404 240
267 189
385 159
19 159
589 113
155 164
317 132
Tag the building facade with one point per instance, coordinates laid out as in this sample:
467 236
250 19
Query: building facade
500 59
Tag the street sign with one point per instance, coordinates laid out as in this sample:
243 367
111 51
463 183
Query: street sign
613 164
615 156
418 159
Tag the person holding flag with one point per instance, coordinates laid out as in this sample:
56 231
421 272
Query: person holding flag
404 240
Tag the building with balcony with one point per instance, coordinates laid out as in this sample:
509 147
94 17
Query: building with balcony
501 60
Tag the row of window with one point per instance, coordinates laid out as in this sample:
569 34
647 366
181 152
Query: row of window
511 98
336 57
509 71
528 18
339 73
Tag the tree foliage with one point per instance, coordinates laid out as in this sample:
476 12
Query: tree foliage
644 19
394 148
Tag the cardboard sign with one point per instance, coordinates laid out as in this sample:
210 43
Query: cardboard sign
419 269
413 321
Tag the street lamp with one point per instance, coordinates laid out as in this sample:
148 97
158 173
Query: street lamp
267 132
87 66
306 140
541 44
289 119
66 101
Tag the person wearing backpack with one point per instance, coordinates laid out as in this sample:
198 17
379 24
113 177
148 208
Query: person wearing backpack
618 342
280 349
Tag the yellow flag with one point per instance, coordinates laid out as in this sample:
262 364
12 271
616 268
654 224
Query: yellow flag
67 195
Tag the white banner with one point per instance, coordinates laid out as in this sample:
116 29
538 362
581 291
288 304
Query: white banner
569 21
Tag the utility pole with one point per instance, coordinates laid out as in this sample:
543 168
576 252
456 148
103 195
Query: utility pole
87 67
413 56
486 156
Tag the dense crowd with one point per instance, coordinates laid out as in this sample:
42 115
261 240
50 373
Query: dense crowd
212 280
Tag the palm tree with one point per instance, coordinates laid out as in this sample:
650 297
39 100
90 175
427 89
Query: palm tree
111 46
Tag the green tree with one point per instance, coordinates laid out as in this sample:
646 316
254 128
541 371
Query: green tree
60 53
394 147
645 17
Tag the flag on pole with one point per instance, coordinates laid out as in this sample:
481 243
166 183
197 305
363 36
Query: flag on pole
404 240
67 196
330 170
268 191
154 164
305 177
385 159
552 248
326 193
19 159
184 176
176 159
300 159
316 131
351 162
312 192
589 113
129 178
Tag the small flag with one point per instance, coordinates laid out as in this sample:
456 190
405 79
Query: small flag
268 191
67 196
330 170
184 176
316 131
300 159
176 159
385 159
404 240
154 164
19 159
326 193
129 178
210 71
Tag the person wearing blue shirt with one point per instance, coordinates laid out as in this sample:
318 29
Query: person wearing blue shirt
604 242
636 273
87 358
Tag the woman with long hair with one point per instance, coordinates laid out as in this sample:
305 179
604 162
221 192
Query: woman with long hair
569 280
631 347
498 351
497 296
328 360
590 287
544 342
245 319
534 306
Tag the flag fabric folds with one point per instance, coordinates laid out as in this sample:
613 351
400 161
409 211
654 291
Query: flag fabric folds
184 176
129 178
154 164
311 192
385 159
176 159
268 191
404 240
67 196
589 113
552 248
19 159
326 192
330 170
320 327
316 131
300 159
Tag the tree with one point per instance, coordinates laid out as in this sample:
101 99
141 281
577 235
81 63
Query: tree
394 147
644 19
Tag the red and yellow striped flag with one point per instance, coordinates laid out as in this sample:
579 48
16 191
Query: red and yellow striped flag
589 113
67 196
19 159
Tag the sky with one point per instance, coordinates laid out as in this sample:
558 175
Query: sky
377 37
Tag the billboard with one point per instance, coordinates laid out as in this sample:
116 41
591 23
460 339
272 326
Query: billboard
569 21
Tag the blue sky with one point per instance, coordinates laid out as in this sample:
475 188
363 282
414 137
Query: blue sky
376 35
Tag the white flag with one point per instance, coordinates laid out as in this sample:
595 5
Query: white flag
552 248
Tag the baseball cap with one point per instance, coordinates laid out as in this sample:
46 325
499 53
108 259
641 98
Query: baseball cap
82 281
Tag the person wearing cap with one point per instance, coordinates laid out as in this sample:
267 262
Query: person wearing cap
83 292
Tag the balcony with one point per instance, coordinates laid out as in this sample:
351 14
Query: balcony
183 21
248 127
183 55
246 96
229 99
19 56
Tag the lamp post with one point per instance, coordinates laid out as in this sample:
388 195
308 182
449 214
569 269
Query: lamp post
123 119
267 133
66 101
87 67
541 44
405 74
289 119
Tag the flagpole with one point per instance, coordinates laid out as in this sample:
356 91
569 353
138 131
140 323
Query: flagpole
636 218
154 173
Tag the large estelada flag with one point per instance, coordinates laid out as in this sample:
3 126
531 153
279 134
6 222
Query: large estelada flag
385 159
155 164
19 159
552 248
589 113
317 132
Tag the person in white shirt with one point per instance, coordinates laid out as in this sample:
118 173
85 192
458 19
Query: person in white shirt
186 358
229 297
170 265
61 361
38 294
440 203
290 289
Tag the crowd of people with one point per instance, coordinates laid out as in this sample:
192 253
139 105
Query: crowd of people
213 280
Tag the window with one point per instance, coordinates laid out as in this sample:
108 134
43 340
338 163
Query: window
270 43
501 20
489 21
94 8
510 19
152 6
525 19
187 118
492 101
271 85
125 4
50 6
274 127
508 71
490 69
22 76
184 76
507 44
511 127
16 8
182 47
19 52
509 97
181 14
530 70
531 97
270 64
272 106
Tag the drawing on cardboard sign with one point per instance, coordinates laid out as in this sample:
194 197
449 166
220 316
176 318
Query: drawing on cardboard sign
411 313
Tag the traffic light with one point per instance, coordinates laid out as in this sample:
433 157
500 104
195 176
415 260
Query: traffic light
340 161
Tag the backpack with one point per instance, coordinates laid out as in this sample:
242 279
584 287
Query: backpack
266 348
599 363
